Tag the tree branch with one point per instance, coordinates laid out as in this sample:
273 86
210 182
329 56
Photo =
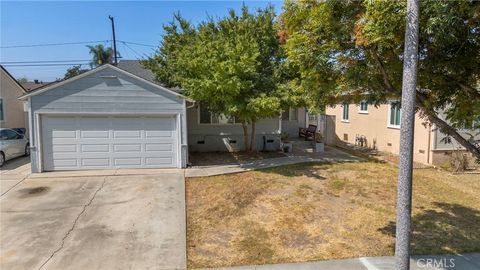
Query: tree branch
467 88
445 127
386 80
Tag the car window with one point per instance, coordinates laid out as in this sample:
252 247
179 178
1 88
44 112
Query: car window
9 135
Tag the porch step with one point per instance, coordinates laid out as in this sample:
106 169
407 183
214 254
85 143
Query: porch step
302 146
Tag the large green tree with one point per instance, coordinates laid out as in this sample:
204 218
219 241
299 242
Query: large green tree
232 65
356 48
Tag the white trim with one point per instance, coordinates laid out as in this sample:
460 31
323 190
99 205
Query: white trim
360 107
280 124
389 114
147 81
100 68
69 80
343 119
179 140
38 142
30 129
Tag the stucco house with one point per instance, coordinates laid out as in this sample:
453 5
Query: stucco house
118 117
12 113
379 128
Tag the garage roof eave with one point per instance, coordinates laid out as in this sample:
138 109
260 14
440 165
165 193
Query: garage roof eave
55 85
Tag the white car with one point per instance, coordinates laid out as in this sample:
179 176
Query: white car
12 144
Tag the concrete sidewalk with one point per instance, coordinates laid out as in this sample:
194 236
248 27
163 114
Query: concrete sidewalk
469 261
330 155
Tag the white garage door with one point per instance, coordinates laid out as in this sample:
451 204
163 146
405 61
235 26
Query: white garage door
87 142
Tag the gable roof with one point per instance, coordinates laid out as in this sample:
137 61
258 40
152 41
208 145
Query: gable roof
13 79
92 71
136 68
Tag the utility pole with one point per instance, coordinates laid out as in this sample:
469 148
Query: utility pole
409 85
114 41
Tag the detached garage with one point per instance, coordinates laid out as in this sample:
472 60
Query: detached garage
106 118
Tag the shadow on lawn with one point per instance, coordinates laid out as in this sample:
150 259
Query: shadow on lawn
308 169
452 228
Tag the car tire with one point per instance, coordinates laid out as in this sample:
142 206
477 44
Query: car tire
27 150
2 159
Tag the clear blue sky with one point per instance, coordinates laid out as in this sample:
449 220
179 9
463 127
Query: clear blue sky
29 23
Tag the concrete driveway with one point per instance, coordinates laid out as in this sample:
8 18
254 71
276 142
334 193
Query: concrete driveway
117 219
13 172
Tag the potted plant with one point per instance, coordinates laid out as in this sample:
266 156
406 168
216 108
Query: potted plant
319 145
286 145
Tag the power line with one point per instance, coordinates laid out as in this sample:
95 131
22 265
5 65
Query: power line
52 44
135 52
139 44
74 43
43 65
41 61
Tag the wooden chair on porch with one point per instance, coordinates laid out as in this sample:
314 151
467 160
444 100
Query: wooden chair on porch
307 133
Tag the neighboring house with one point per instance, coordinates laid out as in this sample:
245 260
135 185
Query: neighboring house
110 117
33 85
379 128
12 113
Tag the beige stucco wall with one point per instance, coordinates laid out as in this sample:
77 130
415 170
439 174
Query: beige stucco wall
13 108
374 126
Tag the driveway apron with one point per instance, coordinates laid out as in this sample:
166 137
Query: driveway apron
117 220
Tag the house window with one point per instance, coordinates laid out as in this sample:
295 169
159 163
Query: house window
207 117
290 115
2 113
394 119
363 107
345 112
475 124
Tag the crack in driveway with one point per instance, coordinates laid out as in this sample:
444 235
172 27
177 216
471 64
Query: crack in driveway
74 223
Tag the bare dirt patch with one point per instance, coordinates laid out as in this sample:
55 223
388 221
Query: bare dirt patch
325 211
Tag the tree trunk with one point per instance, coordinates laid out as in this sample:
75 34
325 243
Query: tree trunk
245 136
445 127
252 139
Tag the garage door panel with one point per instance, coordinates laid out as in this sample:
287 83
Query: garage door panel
94 134
96 148
65 163
96 162
127 161
120 148
154 147
156 134
68 134
108 142
159 161
134 134
68 148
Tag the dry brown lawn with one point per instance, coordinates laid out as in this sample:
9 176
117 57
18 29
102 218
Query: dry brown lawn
222 158
325 211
